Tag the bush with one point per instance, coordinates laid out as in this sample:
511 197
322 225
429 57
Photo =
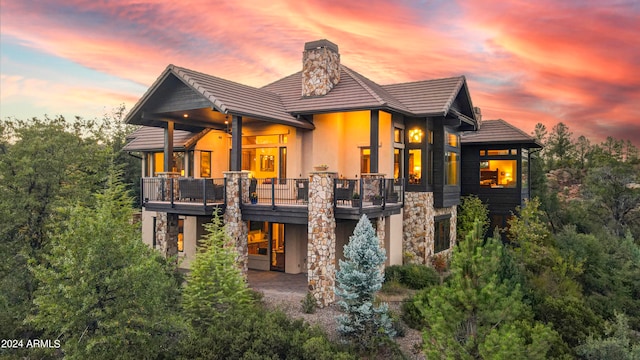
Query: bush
413 276
261 334
411 315
308 304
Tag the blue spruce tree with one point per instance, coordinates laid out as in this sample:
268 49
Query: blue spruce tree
358 279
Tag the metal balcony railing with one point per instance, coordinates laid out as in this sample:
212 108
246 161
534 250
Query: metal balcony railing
183 190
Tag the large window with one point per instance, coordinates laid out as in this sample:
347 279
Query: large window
415 166
205 164
442 238
452 159
155 163
262 156
499 168
397 163
181 234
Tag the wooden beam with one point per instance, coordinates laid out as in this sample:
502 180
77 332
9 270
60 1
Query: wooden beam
374 140
168 147
236 143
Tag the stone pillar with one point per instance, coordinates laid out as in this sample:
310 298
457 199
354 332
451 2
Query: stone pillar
418 227
167 223
380 230
321 249
372 184
237 193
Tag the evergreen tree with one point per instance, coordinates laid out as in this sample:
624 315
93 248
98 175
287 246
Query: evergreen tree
215 284
358 280
470 210
475 314
103 292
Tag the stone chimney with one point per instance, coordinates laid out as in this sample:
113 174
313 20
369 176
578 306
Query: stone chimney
478 114
320 67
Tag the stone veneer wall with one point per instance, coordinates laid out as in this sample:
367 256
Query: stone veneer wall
167 224
234 226
321 249
418 227
320 68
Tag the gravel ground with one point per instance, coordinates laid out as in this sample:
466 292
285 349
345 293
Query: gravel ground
290 303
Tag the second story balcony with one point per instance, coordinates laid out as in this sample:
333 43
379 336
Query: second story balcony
186 196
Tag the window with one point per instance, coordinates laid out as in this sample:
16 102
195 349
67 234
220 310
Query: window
451 168
452 140
262 160
499 169
415 136
155 163
181 234
398 136
205 164
415 166
397 163
442 238
258 238
365 160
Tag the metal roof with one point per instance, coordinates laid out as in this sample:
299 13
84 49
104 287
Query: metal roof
498 132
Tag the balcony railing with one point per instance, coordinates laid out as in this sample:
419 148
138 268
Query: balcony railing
183 190
274 191
368 192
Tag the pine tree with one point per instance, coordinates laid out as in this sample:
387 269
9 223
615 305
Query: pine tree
358 280
215 284
475 314
103 293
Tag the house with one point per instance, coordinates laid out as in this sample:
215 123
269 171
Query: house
495 167
392 152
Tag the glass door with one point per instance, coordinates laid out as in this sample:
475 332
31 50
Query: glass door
277 247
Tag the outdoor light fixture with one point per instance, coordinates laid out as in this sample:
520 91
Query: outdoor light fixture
185 115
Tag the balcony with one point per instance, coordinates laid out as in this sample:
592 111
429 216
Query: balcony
371 196
186 196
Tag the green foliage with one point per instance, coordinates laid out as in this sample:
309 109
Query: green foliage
470 210
102 291
45 166
620 343
475 314
309 304
254 333
216 284
358 279
413 276
610 278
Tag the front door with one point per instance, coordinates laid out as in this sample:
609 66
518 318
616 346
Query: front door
277 247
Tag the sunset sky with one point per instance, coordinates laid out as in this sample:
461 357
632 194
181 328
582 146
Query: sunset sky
548 61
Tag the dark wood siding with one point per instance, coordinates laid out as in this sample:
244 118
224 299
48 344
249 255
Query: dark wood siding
174 95
443 195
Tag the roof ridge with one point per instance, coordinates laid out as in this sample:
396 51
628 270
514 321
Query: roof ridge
423 81
447 105
352 73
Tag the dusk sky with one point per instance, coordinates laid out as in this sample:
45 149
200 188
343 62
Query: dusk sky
548 61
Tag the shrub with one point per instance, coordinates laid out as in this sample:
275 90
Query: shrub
413 276
308 304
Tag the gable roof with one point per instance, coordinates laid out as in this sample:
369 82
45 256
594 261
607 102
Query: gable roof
225 96
498 132
353 92
428 97
148 138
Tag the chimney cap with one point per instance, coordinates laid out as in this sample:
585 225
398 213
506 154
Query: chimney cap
322 43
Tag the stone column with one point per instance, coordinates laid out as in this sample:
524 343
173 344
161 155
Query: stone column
167 223
417 225
380 230
237 193
372 185
321 250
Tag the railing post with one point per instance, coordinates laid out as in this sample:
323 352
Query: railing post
273 193
141 191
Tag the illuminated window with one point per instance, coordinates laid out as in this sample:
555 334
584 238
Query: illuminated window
415 166
258 238
397 163
452 140
181 235
451 172
498 173
205 164
397 136
365 160
415 136
156 163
